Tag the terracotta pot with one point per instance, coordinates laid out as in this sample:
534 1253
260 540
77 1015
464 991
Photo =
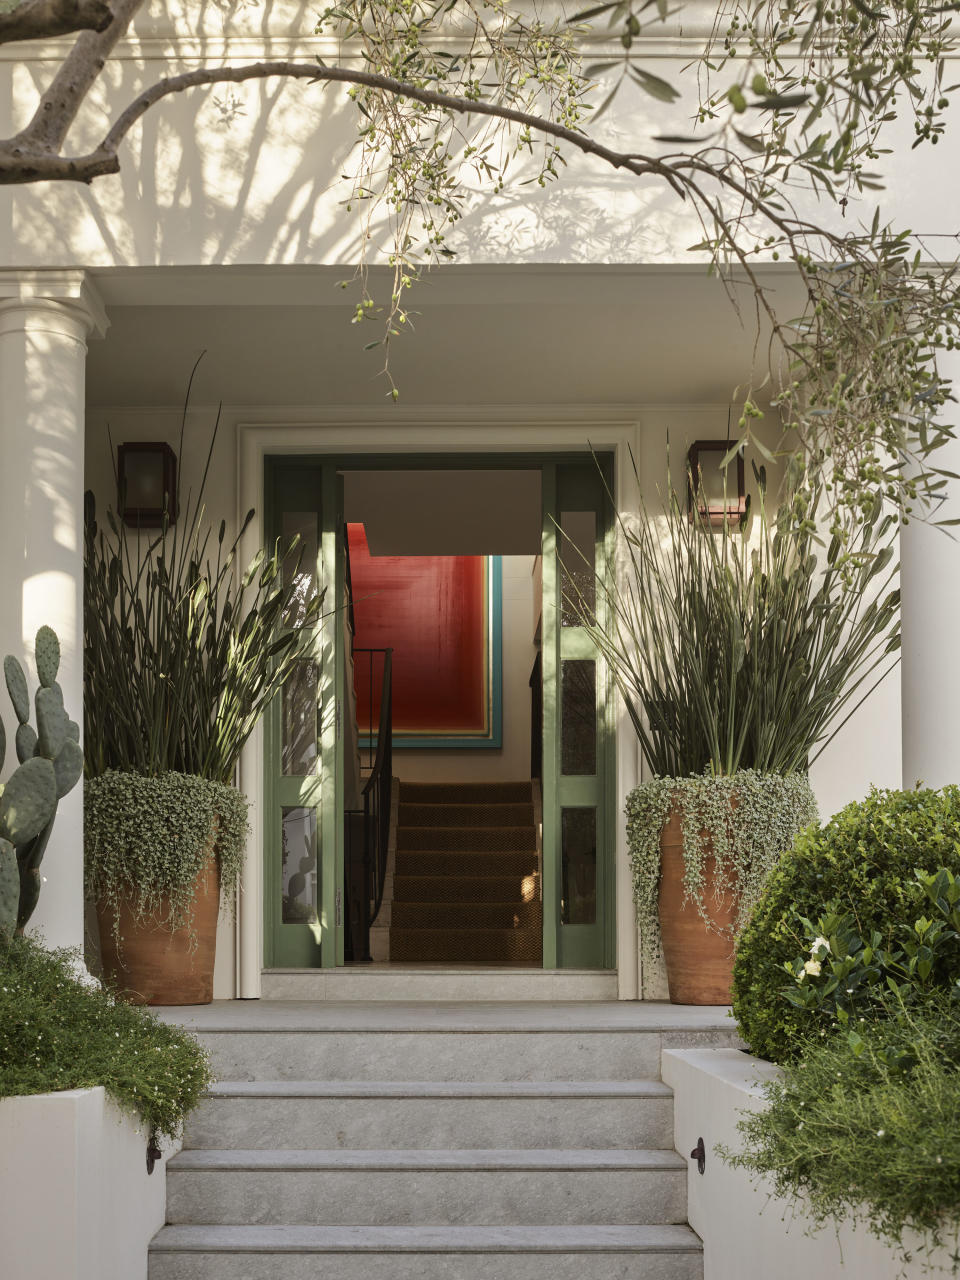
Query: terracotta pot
154 965
699 960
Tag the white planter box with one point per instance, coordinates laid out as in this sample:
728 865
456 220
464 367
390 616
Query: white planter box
76 1202
748 1234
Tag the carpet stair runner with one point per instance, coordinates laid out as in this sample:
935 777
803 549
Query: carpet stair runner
467 881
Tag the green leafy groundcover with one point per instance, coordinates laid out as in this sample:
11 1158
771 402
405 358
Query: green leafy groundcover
59 1033
867 1126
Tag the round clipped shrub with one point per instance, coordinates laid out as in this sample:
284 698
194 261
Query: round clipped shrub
863 861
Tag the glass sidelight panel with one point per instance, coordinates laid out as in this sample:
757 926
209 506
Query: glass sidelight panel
303 523
299 865
578 865
577 552
578 717
299 721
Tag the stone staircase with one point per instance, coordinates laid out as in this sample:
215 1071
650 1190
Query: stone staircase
433 1142
466 883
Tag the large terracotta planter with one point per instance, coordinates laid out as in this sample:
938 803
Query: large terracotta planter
699 959
156 965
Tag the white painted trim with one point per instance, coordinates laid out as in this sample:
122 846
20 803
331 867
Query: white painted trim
447 430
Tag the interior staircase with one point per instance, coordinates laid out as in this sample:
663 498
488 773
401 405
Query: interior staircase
466 884
432 1142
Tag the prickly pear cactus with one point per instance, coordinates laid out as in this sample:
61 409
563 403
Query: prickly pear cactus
17 688
9 888
47 657
51 763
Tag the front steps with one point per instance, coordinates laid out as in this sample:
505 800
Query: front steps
433 1142
397 983
466 882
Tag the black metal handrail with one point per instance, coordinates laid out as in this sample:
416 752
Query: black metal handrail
375 815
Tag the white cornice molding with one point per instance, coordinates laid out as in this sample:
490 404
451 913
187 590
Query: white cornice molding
71 289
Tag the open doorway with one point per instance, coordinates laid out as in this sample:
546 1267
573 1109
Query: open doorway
474 824
445 582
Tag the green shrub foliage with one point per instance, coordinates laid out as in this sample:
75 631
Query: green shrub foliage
860 868
146 839
57 1032
867 1126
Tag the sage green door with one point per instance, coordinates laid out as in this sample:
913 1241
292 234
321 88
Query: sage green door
303 839
578 752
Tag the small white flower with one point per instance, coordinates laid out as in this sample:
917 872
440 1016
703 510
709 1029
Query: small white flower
880 1133
818 943
939 1159
812 967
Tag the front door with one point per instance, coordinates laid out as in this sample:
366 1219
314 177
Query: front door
303 836
577 732
304 764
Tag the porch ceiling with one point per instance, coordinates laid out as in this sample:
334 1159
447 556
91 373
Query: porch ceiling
483 336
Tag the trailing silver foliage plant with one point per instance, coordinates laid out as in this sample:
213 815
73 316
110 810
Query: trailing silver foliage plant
746 840
146 840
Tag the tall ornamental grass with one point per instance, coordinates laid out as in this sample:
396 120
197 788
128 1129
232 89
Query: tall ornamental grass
739 647
182 652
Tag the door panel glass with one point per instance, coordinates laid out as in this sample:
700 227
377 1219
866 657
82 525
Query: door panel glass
298 746
303 523
299 865
578 716
576 548
578 866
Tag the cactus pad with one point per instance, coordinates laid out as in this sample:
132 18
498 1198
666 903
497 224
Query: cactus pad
73 731
9 888
52 722
28 801
17 688
68 766
3 744
48 656
26 742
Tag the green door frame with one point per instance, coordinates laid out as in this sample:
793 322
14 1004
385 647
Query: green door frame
313 483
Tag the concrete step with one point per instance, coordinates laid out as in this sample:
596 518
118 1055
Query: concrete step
466 815
411 1188
426 1253
398 983
377 1041
300 1115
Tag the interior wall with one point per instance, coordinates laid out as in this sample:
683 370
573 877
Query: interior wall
512 762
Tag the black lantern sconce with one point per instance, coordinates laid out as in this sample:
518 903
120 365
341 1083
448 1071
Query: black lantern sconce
717 492
147 480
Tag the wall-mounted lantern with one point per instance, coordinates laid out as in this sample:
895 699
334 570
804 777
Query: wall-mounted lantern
717 492
147 479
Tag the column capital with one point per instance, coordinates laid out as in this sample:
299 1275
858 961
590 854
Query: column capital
73 291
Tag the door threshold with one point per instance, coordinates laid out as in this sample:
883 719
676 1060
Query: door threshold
438 982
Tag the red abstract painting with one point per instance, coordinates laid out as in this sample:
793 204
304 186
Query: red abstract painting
434 612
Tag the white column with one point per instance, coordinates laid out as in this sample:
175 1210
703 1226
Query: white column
45 320
930 584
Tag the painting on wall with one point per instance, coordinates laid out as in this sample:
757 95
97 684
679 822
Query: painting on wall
441 615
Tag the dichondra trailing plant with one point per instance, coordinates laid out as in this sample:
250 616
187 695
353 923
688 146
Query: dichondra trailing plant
744 822
146 840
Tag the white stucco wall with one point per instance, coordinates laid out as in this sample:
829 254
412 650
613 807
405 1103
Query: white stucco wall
747 1233
76 1202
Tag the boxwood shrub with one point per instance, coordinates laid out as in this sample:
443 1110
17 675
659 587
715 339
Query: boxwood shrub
862 862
